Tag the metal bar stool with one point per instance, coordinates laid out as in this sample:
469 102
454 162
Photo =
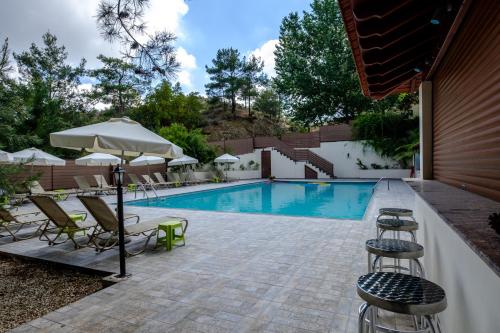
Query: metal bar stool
399 293
397 226
395 212
396 249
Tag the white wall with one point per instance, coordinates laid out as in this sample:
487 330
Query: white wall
336 152
245 158
472 288
345 166
283 167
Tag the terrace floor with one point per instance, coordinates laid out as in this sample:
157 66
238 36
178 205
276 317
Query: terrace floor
237 273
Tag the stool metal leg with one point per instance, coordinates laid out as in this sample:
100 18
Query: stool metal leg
362 318
431 325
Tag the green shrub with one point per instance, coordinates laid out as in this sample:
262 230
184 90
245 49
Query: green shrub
391 134
193 142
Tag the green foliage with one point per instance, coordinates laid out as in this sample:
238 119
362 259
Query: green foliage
118 84
13 111
11 182
193 142
49 94
232 76
391 134
168 105
268 102
316 74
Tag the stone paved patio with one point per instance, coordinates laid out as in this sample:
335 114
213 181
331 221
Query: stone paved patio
238 273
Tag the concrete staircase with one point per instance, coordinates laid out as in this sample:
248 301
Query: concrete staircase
296 155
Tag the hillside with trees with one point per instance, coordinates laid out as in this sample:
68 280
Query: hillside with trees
315 84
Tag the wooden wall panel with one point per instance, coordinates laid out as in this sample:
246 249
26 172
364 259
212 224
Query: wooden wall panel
61 177
466 105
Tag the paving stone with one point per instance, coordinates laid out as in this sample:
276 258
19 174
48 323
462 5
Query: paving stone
237 273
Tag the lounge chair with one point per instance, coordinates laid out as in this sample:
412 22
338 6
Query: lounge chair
108 224
161 180
102 183
64 222
85 187
37 189
178 179
151 181
12 222
140 184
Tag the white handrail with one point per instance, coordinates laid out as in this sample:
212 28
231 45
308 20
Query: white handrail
378 181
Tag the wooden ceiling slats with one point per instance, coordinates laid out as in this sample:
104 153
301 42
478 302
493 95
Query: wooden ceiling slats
394 43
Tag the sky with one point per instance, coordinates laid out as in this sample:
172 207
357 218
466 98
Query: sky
201 26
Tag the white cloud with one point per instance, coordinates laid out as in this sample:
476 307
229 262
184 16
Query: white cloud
188 65
266 53
74 23
166 15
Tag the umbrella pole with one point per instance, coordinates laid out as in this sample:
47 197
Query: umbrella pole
121 226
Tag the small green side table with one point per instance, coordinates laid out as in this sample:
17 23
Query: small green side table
170 239
131 187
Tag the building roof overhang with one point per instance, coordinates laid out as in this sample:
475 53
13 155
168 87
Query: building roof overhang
398 43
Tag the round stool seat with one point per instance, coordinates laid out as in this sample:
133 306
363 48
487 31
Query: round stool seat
394 248
397 225
396 212
401 293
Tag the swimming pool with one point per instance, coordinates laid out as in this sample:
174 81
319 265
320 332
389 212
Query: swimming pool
341 200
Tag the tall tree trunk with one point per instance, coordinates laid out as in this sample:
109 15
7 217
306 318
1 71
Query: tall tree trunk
233 105
249 106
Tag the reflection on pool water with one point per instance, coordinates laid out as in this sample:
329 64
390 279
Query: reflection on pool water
343 200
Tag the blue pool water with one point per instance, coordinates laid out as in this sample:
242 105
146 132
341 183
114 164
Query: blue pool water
342 200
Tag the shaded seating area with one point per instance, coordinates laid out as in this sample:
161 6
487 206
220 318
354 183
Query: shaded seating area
105 236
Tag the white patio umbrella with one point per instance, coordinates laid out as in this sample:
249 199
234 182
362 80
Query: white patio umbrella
34 156
147 161
226 159
119 136
184 160
6 157
99 159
